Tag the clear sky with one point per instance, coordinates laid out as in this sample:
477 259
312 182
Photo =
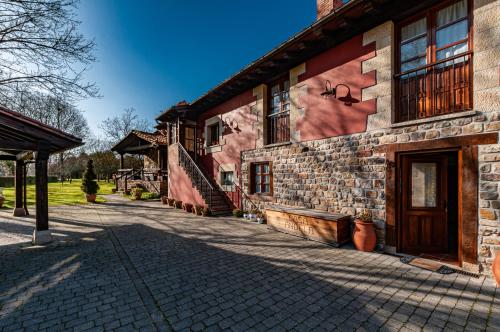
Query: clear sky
153 53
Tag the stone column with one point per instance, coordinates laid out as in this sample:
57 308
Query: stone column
19 210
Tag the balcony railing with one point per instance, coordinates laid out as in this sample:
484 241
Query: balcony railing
439 88
278 127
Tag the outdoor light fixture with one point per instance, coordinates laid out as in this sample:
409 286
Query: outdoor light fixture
329 91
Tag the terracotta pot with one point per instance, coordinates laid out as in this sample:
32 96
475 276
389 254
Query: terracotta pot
164 199
188 207
91 198
496 267
364 236
2 200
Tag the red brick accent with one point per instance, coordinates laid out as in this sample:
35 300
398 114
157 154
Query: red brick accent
324 7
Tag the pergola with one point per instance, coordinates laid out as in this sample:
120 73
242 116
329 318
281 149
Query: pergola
22 140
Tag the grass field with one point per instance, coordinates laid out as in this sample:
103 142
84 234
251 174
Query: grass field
59 194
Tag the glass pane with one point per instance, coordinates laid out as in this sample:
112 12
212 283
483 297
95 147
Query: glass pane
452 33
257 179
266 168
413 49
275 89
414 29
413 64
424 184
266 179
267 188
452 13
286 86
451 51
257 169
257 188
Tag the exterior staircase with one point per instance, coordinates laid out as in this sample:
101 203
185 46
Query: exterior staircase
214 197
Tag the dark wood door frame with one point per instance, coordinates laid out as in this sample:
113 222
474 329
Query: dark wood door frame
467 147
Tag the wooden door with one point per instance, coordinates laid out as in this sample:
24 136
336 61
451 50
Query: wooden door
188 139
424 222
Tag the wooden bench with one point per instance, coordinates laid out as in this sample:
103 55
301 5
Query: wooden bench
333 229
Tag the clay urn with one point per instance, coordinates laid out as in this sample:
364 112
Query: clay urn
496 267
364 236
91 198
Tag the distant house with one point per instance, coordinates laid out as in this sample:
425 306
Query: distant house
393 106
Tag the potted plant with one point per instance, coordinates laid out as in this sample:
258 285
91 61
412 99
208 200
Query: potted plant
364 236
237 213
164 199
198 209
187 207
89 184
137 193
260 217
496 267
171 201
205 211
178 204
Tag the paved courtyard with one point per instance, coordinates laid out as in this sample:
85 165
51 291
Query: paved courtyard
129 266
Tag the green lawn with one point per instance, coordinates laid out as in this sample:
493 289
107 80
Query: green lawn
60 193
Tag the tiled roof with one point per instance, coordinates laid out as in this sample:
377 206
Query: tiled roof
154 138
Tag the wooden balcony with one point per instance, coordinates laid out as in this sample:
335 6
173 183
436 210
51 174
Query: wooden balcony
440 88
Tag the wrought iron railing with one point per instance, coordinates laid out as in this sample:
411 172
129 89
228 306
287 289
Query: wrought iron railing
199 179
235 196
278 127
439 88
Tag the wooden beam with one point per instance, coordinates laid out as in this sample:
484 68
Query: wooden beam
19 210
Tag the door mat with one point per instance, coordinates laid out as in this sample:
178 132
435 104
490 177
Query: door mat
427 264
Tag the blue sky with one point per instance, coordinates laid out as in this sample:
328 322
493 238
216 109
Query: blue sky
151 54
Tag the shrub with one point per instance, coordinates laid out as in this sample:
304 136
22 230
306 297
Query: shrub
89 183
238 213
148 195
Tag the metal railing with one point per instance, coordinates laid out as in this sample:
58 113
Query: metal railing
199 179
236 196
442 87
278 127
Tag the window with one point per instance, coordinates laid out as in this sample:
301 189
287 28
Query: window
261 178
278 117
213 134
226 178
429 85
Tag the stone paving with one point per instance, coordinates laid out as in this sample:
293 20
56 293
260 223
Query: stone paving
141 266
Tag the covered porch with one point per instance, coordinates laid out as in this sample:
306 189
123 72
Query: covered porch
24 140
153 149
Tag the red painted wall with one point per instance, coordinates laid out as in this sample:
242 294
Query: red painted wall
180 186
242 136
330 117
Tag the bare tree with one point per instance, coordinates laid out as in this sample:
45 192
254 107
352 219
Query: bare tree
42 49
116 128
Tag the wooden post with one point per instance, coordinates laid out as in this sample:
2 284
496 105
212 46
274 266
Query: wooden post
25 183
122 161
19 210
42 195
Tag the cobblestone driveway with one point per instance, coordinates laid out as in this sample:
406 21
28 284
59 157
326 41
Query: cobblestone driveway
130 266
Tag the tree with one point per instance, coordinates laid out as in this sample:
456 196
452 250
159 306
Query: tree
106 163
89 183
42 49
116 128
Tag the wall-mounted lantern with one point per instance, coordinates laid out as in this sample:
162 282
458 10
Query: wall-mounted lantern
329 91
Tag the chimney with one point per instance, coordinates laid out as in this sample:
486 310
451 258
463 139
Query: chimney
325 7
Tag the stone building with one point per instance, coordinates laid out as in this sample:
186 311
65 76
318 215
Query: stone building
391 106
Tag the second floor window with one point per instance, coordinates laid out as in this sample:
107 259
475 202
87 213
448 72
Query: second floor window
434 63
213 134
278 115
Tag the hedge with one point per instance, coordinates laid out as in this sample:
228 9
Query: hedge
8 181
